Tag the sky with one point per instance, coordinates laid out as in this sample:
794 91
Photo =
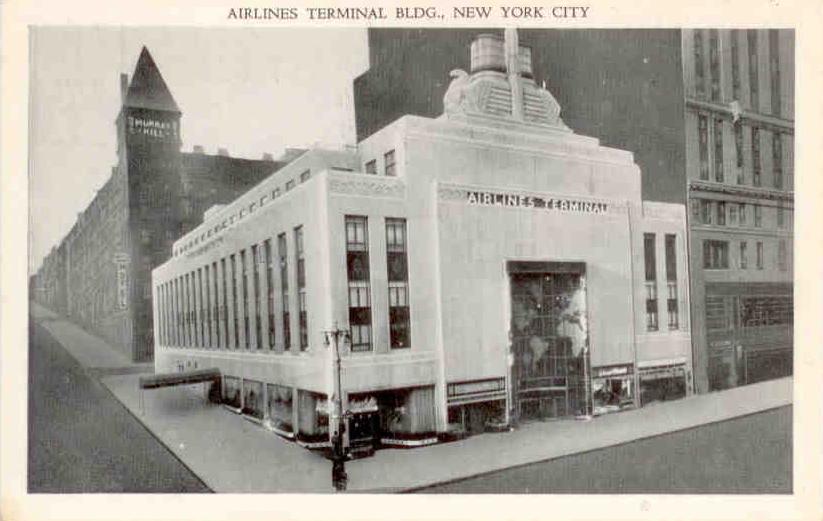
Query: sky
251 91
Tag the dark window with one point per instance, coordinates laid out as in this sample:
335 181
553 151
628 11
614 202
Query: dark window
225 304
244 280
721 213
738 151
759 255
398 275
282 252
703 145
715 255
774 70
735 50
751 36
741 211
234 301
756 164
357 266
216 308
199 316
371 167
782 255
389 162
718 150
305 176
671 281
650 258
289 185
270 290
699 77
714 65
300 260
255 259
744 261
758 216
207 307
777 160
705 211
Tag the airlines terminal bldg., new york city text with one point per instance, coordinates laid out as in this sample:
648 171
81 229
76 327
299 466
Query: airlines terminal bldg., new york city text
489 265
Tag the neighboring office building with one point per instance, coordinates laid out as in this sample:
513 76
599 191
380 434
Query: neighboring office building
491 266
740 167
99 274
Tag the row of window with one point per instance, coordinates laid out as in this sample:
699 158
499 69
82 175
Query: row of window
716 255
736 39
723 213
389 165
713 168
650 263
743 313
201 308
359 283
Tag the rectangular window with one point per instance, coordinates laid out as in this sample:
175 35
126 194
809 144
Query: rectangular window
234 302
782 255
715 255
255 259
758 216
735 50
187 303
244 280
270 290
781 216
300 260
650 258
699 78
777 160
389 164
289 185
714 64
751 36
721 213
759 255
200 310
732 214
282 252
744 261
703 145
357 267
738 151
756 164
718 150
398 275
225 304
371 167
207 307
216 308
741 212
705 211
671 282
774 70
305 176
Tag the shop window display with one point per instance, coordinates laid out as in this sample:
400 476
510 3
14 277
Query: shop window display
253 399
231 392
280 408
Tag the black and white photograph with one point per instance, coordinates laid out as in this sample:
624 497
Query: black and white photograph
374 260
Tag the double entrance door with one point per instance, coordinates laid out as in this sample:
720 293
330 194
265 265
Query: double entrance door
549 336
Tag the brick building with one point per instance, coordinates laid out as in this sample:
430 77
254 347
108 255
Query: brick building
100 273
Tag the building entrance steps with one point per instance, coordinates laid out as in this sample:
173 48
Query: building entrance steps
232 455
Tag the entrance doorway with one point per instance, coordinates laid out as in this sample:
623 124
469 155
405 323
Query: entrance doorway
549 335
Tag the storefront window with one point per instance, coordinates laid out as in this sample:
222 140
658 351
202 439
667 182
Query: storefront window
231 391
313 417
280 407
662 384
357 265
253 398
612 389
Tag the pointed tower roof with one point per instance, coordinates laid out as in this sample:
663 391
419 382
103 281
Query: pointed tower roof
147 89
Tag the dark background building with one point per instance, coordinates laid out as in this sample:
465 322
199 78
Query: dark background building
624 87
100 273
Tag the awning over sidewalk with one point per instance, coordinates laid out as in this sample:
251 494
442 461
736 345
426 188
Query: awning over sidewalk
183 378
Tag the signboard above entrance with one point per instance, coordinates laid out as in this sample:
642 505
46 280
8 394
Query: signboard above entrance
536 202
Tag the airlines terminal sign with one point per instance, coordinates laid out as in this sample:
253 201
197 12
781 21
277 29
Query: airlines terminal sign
476 198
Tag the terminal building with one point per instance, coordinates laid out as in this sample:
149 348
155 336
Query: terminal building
99 275
489 266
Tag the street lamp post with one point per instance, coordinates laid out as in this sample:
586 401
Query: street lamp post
338 473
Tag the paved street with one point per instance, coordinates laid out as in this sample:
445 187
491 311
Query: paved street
750 455
81 439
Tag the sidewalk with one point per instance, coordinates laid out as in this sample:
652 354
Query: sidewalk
232 454
91 351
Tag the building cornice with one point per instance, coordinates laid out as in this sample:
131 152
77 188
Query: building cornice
747 116
741 191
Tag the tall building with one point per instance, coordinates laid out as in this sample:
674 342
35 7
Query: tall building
100 273
487 267
739 88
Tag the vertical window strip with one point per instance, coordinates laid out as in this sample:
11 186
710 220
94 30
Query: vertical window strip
358 273
718 150
714 65
735 51
759 259
282 251
703 145
270 291
207 307
671 282
244 280
754 89
216 308
756 163
774 71
699 79
398 279
236 329
650 258
744 261
777 160
258 339
225 304
300 260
